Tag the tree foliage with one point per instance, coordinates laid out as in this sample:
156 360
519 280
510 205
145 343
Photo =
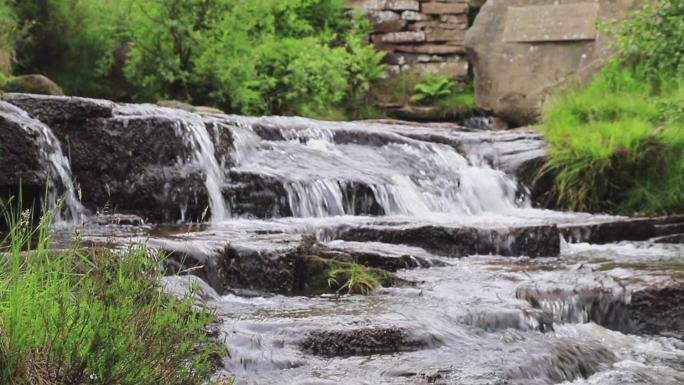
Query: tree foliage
653 39
270 56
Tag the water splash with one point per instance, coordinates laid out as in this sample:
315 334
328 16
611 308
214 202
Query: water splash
54 162
319 162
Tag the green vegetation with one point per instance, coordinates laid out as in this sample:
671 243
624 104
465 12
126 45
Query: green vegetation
355 278
93 317
618 144
253 57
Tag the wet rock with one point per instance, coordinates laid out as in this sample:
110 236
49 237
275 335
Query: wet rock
188 285
18 152
658 310
356 342
61 109
567 360
647 310
622 229
33 84
116 219
456 242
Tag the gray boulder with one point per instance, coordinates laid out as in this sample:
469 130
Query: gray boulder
522 50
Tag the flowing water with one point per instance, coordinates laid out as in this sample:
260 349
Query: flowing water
416 198
60 181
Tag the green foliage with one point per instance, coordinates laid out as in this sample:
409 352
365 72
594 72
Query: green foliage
74 42
8 36
270 56
618 144
355 278
653 39
433 89
93 317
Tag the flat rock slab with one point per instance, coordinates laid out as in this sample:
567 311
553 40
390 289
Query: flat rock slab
366 341
622 229
456 242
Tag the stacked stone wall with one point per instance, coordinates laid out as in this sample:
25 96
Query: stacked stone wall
426 36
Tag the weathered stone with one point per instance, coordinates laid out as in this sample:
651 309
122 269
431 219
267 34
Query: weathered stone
60 109
19 156
34 84
626 229
439 8
400 37
453 70
414 16
378 5
332 343
386 21
513 79
454 19
403 59
456 242
441 34
551 23
432 49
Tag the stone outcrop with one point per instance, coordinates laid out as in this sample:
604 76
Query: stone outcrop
522 50
129 164
420 35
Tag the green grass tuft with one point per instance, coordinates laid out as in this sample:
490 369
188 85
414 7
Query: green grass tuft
80 316
355 278
617 145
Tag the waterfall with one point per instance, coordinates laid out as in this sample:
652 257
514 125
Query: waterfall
52 160
319 162
191 128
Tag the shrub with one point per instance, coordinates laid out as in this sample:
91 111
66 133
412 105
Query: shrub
617 145
73 42
93 317
8 36
653 39
271 56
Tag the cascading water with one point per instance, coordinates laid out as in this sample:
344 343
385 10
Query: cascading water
191 128
319 161
52 159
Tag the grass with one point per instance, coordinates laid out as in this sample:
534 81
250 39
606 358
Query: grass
617 145
354 278
80 316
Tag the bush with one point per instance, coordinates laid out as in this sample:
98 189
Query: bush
8 36
653 39
93 317
271 56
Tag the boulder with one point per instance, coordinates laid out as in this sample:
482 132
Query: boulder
522 50
34 84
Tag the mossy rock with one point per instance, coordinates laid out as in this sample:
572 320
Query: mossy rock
33 84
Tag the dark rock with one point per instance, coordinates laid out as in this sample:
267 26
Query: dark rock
622 229
355 342
658 310
456 242
647 310
33 84
60 109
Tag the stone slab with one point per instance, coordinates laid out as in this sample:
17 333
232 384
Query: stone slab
436 8
390 5
551 23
